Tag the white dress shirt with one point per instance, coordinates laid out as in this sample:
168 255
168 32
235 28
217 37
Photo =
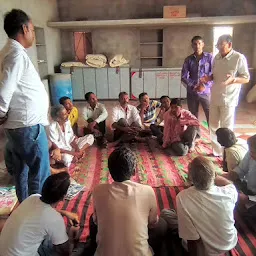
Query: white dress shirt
64 139
22 93
235 64
208 214
59 138
98 114
131 115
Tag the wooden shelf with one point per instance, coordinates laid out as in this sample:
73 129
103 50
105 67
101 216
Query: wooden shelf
157 57
151 43
158 23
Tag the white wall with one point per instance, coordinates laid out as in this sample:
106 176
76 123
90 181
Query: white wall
40 12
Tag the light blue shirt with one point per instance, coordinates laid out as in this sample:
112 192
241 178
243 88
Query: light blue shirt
247 171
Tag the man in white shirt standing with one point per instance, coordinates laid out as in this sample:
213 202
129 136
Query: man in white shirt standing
23 106
205 211
126 120
230 70
95 114
36 226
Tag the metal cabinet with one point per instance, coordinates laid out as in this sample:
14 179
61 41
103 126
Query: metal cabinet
157 82
106 83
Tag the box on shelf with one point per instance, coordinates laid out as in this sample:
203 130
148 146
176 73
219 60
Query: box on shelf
175 11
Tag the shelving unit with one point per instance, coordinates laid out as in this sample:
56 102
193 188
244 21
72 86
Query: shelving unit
151 47
157 23
41 52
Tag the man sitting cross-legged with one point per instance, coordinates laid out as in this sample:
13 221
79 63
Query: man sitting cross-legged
156 128
62 136
36 227
234 148
95 114
126 120
205 211
180 129
244 175
148 109
125 212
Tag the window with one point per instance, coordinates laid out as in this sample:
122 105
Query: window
83 45
217 32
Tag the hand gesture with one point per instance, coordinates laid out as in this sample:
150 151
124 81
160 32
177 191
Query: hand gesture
91 125
199 87
56 155
205 79
230 80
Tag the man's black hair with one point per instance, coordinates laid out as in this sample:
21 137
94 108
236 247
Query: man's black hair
122 164
63 99
121 94
14 21
87 95
195 38
164 96
55 188
226 137
142 95
176 101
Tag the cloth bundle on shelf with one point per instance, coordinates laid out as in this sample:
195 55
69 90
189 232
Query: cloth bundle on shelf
96 60
117 61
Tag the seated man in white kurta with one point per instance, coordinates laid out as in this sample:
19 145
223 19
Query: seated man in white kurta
62 136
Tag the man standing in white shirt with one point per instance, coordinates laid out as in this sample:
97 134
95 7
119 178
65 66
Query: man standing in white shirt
205 211
23 106
36 226
230 70
126 120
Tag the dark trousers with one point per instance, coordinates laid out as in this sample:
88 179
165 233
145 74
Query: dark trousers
188 140
120 134
155 240
30 156
157 131
100 127
193 101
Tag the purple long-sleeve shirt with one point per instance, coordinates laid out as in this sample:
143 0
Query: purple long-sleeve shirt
193 70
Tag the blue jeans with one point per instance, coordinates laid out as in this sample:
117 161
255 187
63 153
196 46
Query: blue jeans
30 155
8 157
46 248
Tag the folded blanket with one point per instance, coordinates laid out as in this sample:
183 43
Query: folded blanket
96 60
72 64
117 60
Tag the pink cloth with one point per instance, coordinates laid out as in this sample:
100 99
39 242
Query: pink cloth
174 127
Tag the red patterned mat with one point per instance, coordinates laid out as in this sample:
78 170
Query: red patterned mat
166 197
155 167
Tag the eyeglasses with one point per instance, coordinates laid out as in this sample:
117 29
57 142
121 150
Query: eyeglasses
218 45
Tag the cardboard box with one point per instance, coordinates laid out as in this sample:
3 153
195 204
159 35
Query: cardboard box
175 11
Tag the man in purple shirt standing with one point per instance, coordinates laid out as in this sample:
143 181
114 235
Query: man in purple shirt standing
195 66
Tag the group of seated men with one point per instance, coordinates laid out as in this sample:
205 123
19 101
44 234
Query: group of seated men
179 131
125 220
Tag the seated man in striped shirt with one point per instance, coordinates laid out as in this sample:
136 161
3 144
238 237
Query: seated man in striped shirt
148 109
